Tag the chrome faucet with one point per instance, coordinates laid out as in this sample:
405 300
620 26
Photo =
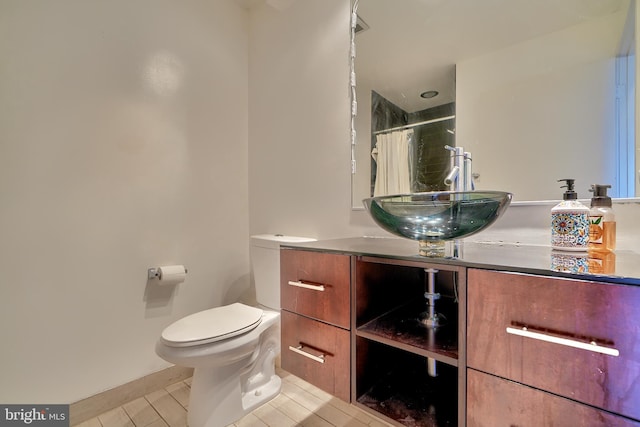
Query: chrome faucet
460 177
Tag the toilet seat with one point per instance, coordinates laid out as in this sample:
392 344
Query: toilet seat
215 324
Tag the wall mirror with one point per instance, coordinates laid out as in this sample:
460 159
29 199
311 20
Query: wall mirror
536 91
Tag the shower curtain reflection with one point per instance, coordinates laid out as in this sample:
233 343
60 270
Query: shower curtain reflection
393 162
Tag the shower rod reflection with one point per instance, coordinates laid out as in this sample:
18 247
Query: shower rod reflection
413 125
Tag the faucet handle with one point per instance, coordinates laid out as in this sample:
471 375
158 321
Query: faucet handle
457 151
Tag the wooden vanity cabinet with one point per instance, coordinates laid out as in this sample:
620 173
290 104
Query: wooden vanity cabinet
315 290
517 349
534 351
494 401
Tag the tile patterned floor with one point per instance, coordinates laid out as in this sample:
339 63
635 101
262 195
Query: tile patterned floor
299 404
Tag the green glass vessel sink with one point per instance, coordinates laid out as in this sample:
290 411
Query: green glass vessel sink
432 218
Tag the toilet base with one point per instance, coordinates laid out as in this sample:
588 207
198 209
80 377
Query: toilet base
262 395
223 395
220 406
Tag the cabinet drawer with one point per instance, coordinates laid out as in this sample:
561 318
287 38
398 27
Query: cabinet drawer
317 352
574 311
493 402
316 285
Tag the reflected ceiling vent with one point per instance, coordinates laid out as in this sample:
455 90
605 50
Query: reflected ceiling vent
361 25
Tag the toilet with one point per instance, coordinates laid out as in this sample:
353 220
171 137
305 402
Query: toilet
232 348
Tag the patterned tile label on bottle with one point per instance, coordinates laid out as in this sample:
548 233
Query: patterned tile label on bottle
570 230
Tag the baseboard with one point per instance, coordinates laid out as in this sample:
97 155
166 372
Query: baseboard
93 406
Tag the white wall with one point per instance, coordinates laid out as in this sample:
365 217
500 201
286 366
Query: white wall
299 149
123 145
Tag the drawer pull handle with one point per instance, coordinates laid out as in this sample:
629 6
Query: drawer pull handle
591 346
299 350
300 284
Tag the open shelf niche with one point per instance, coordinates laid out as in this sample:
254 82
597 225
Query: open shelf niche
393 349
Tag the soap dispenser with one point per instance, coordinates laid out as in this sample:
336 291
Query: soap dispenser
602 220
569 221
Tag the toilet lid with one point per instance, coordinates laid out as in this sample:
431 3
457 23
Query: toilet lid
212 325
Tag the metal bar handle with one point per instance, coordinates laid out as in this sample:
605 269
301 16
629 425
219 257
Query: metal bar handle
301 284
590 346
299 350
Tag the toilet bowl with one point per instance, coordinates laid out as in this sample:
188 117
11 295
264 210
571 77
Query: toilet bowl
232 348
234 367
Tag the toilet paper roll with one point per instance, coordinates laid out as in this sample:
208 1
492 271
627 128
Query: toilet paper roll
171 274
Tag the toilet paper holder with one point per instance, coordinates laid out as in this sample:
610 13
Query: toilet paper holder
154 273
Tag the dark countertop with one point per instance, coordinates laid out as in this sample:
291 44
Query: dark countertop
620 267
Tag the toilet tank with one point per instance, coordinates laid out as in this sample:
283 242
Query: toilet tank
265 259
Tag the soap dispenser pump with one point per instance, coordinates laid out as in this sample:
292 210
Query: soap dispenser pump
602 220
569 221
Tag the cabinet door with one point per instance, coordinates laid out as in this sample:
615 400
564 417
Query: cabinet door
570 312
495 402
317 285
317 352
